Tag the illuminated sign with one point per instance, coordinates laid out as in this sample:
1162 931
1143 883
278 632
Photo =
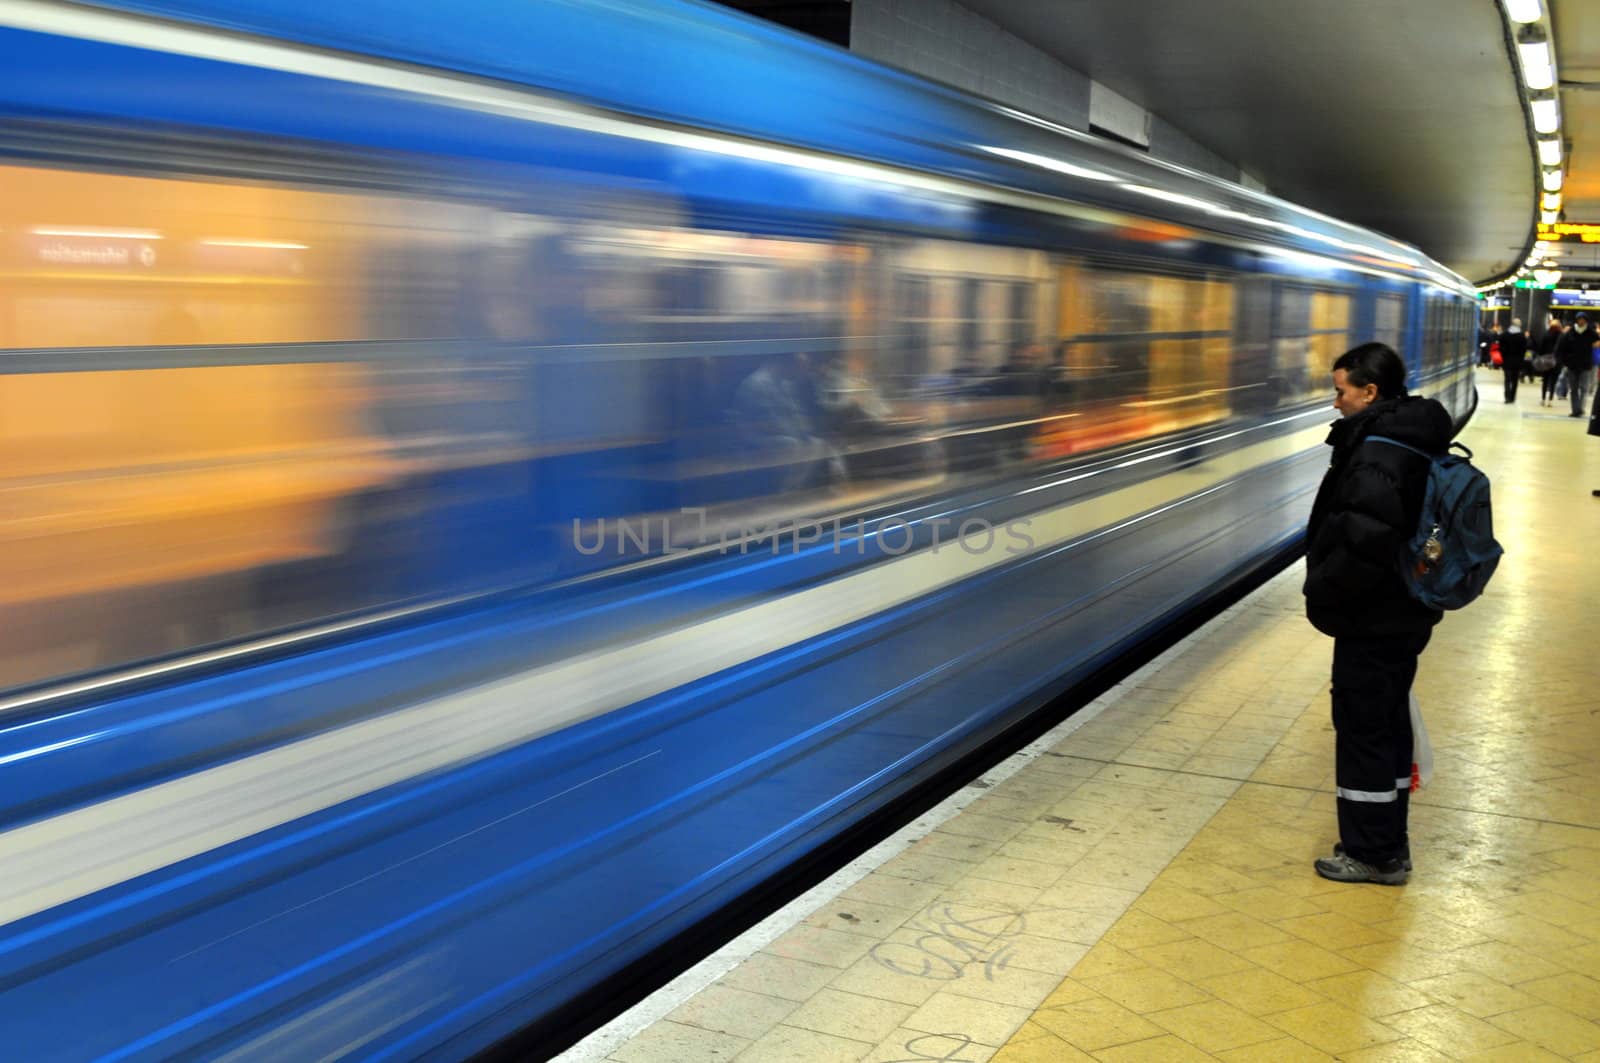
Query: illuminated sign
1529 282
1587 233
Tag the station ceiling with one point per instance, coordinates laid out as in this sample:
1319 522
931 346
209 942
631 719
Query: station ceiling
1404 117
1575 25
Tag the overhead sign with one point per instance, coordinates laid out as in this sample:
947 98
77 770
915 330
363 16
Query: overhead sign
1572 297
1571 231
1529 282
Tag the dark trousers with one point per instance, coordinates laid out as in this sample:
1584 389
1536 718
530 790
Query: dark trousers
1513 376
1547 383
1372 758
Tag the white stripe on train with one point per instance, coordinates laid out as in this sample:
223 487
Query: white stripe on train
74 854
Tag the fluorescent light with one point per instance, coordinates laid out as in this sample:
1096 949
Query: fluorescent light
1044 162
1546 119
279 245
1551 201
1550 152
1541 245
1550 217
1523 10
1547 276
97 234
1536 69
1552 180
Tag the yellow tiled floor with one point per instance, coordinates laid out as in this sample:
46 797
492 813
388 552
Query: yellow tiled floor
1145 892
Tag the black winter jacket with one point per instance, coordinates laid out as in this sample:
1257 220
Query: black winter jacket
1547 342
1513 346
1366 509
1575 350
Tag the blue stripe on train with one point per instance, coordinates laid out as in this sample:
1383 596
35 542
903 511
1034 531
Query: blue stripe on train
748 766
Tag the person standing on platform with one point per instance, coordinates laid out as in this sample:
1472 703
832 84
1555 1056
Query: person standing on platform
1513 349
1575 352
1368 506
1545 364
1485 341
1594 426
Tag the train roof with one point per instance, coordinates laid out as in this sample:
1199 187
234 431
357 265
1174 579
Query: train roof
693 64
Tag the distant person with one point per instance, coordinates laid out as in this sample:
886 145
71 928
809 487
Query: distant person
1594 427
1546 365
1367 507
1575 352
1513 350
1485 341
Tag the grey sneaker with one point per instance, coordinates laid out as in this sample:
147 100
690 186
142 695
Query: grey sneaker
1346 868
1405 857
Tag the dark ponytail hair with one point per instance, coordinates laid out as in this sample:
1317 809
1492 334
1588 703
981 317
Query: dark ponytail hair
1375 363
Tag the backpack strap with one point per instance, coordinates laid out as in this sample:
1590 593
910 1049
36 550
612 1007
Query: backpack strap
1397 443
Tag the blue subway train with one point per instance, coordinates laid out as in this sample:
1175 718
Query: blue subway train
488 485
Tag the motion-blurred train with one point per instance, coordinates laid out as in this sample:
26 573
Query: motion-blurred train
485 485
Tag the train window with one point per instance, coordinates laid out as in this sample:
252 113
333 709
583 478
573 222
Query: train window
1153 347
1330 333
970 352
1387 321
1191 325
1291 348
800 292
1111 350
1433 331
913 327
749 288
1311 328
1432 328
1020 318
233 494
119 261
686 288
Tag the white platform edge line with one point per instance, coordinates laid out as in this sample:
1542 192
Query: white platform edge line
599 1045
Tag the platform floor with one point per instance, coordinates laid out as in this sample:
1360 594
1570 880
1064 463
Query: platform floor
1142 889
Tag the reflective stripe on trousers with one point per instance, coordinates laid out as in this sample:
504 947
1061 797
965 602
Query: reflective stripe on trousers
1377 797
1372 723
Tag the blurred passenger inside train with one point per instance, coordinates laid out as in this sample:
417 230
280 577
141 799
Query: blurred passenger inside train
876 442
776 416
850 401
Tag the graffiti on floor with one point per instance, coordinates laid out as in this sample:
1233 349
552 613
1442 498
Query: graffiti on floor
940 1047
953 937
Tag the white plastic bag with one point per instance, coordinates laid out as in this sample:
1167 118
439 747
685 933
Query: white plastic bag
1421 748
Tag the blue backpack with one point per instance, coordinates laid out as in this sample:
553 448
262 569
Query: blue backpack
1449 560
